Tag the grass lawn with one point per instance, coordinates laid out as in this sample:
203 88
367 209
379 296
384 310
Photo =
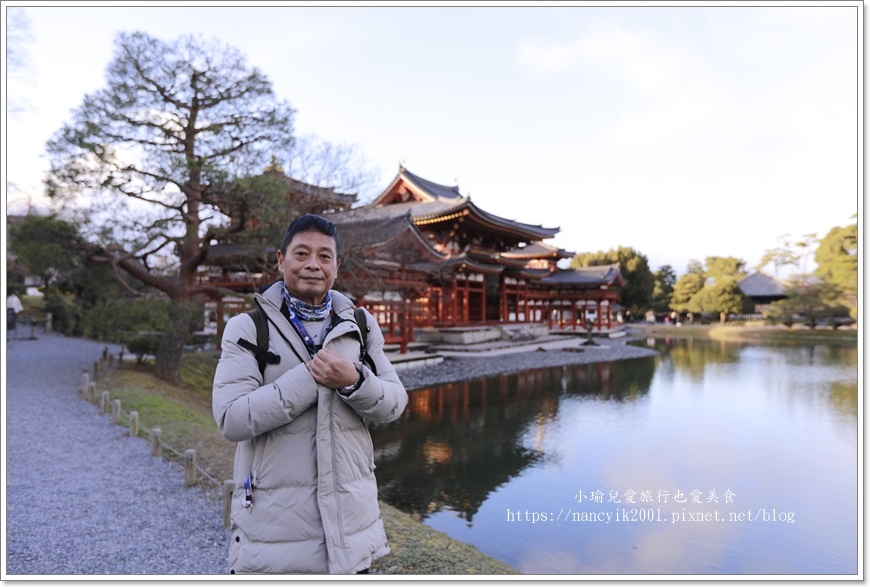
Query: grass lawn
747 332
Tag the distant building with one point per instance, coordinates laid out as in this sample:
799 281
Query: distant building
763 290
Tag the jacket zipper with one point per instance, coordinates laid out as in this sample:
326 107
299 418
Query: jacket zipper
256 462
334 475
371 445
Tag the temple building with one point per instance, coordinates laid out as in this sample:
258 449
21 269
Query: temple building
763 290
429 263
424 256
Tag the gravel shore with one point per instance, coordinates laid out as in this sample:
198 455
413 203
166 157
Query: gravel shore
469 366
82 498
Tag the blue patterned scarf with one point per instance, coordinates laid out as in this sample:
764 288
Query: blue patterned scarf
307 311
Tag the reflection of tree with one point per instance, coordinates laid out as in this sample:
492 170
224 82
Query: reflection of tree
692 355
843 397
460 441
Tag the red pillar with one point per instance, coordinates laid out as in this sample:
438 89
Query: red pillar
503 313
483 301
598 313
573 314
404 327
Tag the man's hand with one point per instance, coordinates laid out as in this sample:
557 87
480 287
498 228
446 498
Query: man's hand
332 369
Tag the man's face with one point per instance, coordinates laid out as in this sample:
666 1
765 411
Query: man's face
309 266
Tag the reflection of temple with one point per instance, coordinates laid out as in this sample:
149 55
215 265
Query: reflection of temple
458 442
460 265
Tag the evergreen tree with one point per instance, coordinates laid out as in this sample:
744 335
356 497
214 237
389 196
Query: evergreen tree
810 301
720 269
724 297
637 295
665 278
837 263
685 289
160 153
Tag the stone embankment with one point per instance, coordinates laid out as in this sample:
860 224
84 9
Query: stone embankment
474 365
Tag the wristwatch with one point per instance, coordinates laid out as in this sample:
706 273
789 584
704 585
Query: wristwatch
352 388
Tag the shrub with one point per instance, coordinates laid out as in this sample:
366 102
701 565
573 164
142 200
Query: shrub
143 346
62 314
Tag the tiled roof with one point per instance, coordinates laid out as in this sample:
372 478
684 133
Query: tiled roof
377 230
597 275
372 213
760 284
537 250
436 190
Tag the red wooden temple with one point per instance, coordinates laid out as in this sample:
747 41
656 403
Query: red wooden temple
427 256
423 256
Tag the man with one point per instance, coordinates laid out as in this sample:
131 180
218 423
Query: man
305 497
13 308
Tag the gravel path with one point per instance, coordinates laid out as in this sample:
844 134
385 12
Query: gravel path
82 498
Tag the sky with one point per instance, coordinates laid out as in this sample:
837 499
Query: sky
682 132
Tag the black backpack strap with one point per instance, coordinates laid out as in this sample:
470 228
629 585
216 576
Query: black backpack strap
261 349
360 315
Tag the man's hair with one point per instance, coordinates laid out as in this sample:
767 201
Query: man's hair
311 222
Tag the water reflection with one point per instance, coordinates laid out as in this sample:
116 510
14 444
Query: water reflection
458 442
775 424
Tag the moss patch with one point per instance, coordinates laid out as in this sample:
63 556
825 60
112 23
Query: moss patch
419 550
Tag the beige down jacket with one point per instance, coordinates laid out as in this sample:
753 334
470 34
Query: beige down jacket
306 447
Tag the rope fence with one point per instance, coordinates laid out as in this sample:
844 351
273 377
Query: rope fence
192 471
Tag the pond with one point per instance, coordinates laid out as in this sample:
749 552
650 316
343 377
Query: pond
712 458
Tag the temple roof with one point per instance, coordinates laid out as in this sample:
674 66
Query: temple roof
436 190
322 194
537 250
430 202
379 231
231 255
760 284
596 275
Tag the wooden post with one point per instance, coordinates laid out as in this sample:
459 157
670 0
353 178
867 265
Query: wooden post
48 322
102 363
229 486
96 370
134 424
111 361
116 411
92 392
104 402
105 352
156 448
189 467
121 357
85 379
